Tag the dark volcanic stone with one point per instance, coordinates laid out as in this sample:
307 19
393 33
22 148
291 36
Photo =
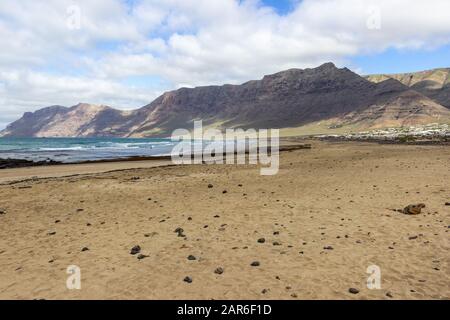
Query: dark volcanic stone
135 250
255 264
85 249
261 240
353 291
187 279
219 270
191 258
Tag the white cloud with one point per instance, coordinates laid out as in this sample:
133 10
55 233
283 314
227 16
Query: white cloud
188 42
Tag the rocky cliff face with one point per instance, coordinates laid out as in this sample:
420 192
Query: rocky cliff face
287 99
434 84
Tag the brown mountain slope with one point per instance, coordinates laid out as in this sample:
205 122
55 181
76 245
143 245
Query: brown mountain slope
410 108
288 99
434 84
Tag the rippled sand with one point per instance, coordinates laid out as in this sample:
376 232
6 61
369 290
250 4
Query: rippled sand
325 218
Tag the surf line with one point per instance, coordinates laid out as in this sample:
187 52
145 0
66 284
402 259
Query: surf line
235 146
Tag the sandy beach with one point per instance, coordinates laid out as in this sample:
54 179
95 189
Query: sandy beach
309 232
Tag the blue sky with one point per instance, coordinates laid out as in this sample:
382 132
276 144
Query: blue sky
125 53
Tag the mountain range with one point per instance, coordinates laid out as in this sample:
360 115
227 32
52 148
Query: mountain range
322 99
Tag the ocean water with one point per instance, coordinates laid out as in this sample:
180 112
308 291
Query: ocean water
71 150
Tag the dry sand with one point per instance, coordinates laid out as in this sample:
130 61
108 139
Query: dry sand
336 195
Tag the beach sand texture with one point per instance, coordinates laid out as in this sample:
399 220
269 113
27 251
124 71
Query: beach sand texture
325 218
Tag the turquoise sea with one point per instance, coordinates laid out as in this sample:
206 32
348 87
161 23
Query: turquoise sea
70 150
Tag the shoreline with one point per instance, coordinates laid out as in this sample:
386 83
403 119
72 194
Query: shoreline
56 170
314 228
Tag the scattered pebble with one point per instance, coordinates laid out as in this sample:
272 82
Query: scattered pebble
142 256
353 291
255 264
180 232
191 258
210 186
135 250
219 270
414 209
261 240
328 248
187 279
85 249
51 233
389 294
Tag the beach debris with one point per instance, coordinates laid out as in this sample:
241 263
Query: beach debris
219 270
255 264
187 279
413 237
224 191
191 257
414 209
276 243
261 240
80 210
210 186
328 248
180 231
52 233
85 249
57 221
142 256
135 250
353 291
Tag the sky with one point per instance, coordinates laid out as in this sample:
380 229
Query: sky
125 53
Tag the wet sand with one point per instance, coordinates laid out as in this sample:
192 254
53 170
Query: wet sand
326 217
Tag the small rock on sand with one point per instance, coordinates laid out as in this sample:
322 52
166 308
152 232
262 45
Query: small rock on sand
85 249
219 270
142 256
135 250
414 209
255 264
328 248
2 211
447 203
353 291
191 258
210 186
187 279
261 240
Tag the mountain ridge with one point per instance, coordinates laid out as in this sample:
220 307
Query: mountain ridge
288 99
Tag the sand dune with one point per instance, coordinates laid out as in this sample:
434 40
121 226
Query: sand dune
324 218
